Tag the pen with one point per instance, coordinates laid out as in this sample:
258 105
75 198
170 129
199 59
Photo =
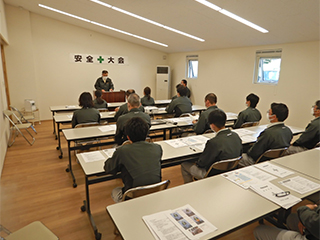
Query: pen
282 194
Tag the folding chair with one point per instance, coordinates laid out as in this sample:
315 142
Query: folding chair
17 127
34 231
141 191
273 153
249 124
222 166
24 118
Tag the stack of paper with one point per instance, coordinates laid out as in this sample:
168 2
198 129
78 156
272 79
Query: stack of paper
274 169
300 184
187 141
179 224
109 152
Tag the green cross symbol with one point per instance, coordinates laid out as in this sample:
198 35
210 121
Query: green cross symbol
100 59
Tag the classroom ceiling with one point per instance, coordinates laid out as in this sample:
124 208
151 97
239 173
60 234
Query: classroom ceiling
287 21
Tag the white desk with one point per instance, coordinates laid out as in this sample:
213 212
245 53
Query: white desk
307 162
221 202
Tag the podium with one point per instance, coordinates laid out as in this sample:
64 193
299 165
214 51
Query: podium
116 96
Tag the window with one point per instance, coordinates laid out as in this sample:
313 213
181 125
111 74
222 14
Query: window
267 66
192 66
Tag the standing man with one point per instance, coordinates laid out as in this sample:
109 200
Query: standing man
202 124
104 83
276 135
251 114
184 83
134 111
311 136
225 145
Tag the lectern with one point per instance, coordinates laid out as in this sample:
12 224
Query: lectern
116 96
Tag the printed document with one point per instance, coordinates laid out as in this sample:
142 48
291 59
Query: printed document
242 132
270 191
274 169
108 128
181 223
245 177
92 156
300 184
187 141
109 152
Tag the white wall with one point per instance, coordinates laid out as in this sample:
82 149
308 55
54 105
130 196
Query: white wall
4 124
229 74
39 68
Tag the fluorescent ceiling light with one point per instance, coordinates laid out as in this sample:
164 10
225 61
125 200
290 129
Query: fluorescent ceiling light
242 20
102 25
206 3
148 20
231 15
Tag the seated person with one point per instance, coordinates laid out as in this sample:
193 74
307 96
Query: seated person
138 162
302 225
98 102
134 111
276 135
123 109
311 136
104 83
181 104
147 100
87 113
225 145
202 124
251 114
185 83
175 96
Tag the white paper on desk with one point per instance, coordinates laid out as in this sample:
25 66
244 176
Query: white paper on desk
245 177
248 139
109 152
269 190
200 147
242 132
71 106
162 227
93 156
199 139
176 143
190 222
108 128
300 184
274 169
69 116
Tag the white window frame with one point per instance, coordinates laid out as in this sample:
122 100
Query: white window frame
270 54
189 59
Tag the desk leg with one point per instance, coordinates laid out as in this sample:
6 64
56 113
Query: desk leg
86 207
170 133
59 142
164 134
54 125
69 168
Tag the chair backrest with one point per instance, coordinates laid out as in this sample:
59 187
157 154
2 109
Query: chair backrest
13 119
273 153
144 190
90 124
249 124
317 145
224 165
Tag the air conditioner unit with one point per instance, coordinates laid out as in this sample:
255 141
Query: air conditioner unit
163 83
